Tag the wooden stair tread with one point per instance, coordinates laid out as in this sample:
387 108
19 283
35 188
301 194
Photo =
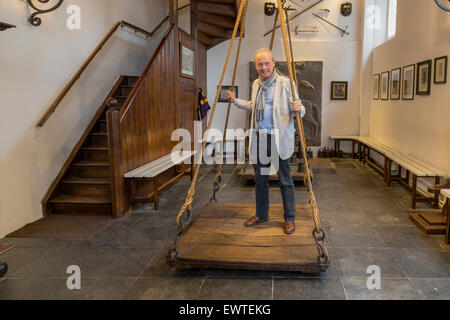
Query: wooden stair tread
99 134
77 180
76 199
91 164
423 225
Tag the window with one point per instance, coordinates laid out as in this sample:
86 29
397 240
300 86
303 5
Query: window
392 19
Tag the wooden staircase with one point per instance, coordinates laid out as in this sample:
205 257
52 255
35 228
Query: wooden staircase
84 184
216 19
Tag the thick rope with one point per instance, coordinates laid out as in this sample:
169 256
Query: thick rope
312 198
190 196
236 64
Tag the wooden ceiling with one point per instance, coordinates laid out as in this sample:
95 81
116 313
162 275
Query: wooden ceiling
216 19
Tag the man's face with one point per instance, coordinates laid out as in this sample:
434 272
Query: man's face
264 65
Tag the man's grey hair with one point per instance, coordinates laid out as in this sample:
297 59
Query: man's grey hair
261 51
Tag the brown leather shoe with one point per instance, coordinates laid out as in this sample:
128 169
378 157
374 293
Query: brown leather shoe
289 227
253 221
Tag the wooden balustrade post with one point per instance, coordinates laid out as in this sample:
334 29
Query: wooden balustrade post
446 211
115 152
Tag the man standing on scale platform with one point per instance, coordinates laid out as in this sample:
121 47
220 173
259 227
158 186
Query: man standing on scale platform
272 114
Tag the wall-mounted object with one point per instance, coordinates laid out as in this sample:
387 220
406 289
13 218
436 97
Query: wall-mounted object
423 78
343 32
440 70
223 97
4 26
384 86
442 5
339 90
408 82
396 77
376 87
269 8
33 19
346 9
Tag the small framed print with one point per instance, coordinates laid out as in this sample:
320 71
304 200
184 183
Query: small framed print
423 78
186 61
384 86
339 90
376 87
223 97
408 82
396 76
440 70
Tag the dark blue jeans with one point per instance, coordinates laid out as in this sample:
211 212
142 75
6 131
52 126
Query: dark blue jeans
262 185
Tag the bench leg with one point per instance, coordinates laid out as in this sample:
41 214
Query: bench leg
388 172
338 148
359 151
155 193
414 191
407 177
133 193
364 155
446 211
192 167
399 174
385 168
437 181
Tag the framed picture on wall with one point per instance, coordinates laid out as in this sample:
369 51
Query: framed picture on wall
440 70
384 85
339 90
223 97
423 79
408 82
376 87
186 61
396 76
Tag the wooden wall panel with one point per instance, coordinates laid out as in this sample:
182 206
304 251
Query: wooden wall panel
147 126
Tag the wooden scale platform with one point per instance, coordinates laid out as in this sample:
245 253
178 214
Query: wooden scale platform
219 239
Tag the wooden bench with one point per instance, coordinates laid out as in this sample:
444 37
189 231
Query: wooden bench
151 171
412 166
446 193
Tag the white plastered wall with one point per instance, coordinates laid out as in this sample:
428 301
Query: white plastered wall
35 63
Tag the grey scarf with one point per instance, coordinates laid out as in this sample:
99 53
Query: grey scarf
260 97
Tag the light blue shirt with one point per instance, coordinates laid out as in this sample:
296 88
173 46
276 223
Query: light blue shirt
267 123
